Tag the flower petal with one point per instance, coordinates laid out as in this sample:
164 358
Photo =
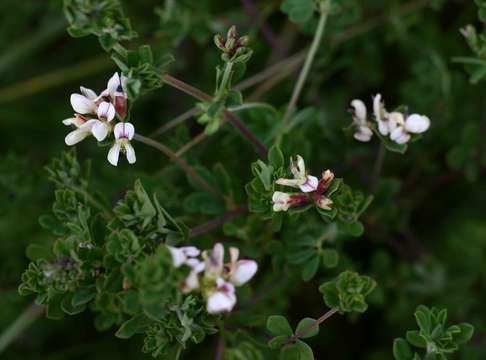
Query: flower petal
73 121
417 124
178 256
363 134
113 84
130 153
129 130
290 182
82 104
190 251
310 185
359 111
114 154
90 94
219 302
75 137
100 130
106 111
243 272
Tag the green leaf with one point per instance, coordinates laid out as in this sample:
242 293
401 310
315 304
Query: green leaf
310 268
278 325
299 11
298 351
277 342
467 332
414 338
401 350
276 157
330 258
303 324
83 296
135 325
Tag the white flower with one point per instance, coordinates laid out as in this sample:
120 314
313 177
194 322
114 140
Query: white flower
223 299
380 115
124 132
182 255
116 91
83 129
240 271
281 201
363 132
414 124
306 183
83 104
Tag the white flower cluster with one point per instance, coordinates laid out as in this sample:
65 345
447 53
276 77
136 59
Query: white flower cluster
94 115
212 277
312 189
399 126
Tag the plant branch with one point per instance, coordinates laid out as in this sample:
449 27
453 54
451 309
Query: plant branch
216 222
233 119
311 326
190 172
308 62
30 314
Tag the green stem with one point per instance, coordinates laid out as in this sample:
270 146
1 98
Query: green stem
252 105
25 319
311 326
304 73
228 67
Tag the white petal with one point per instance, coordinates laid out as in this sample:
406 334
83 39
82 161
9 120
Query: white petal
178 256
191 282
118 130
403 139
310 184
324 203
73 121
377 107
290 182
417 123
113 154
398 132
359 111
301 166
130 153
363 134
219 302
129 130
280 207
234 254
113 84
81 104
90 94
106 111
280 197
243 272
100 130
75 137
190 251
383 128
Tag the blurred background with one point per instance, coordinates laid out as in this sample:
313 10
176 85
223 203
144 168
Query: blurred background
425 233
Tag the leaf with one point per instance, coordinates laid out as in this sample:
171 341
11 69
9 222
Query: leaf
299 11
330 258
276 157
298 351
414 338
278 325
401 350
311 268
304 324
277 342
135 325
467 332
422 316
83 296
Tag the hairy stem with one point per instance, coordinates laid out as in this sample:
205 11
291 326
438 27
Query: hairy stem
233 119
190 172
220 220
308 62
311 326
30 314
228 67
